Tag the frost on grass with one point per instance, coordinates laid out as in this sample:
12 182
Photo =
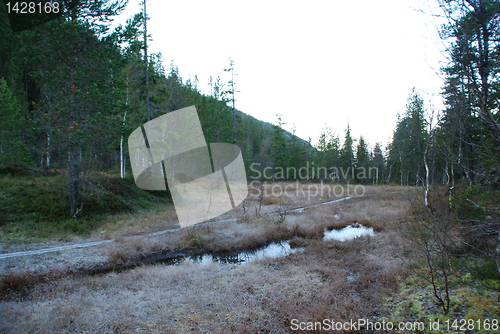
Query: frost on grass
328 279
262 296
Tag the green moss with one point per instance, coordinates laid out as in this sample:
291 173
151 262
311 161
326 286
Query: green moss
492 283
36 207
469 299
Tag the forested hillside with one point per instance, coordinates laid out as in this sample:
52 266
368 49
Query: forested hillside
72 91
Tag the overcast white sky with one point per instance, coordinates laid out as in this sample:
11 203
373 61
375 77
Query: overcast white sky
317 63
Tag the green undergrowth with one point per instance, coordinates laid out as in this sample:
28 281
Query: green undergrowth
474 201
474 302
34 206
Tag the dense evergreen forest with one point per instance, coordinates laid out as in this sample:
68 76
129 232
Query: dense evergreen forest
72 90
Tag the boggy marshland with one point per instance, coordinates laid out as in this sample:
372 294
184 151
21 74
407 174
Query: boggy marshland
110 289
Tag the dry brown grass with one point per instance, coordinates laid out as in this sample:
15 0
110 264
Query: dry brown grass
268 200
139 223
333 280
328 279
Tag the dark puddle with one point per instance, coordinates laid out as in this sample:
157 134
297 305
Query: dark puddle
273 250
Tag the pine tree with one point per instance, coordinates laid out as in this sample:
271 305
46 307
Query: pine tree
297 152
471 123
232 93
77 75
13 150
279 146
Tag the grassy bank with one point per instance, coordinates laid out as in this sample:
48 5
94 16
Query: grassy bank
34 204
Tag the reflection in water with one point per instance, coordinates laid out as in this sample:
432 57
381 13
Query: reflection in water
349 232
276 249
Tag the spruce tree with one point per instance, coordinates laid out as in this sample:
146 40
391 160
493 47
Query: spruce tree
362 161
347 156
406 155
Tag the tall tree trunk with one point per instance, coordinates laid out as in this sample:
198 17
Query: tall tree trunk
426 183
74 152
74 179
49 148
122 152
146 63
401 170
